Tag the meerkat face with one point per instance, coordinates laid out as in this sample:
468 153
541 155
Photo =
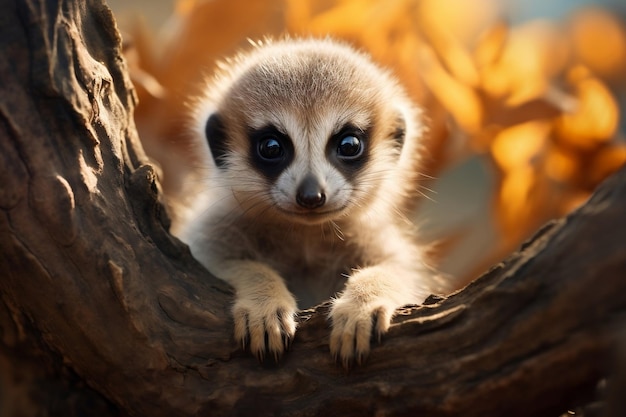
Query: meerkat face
306 130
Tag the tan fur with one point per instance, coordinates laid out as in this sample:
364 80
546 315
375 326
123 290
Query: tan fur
359 247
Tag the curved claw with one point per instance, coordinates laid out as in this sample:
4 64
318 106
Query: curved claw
352 332
266 335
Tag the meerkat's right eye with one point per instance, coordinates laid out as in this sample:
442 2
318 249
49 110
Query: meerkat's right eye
270 149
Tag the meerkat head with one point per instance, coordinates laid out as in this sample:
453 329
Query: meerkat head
308 130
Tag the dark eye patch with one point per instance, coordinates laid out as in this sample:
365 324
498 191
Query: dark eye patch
271 151
349 149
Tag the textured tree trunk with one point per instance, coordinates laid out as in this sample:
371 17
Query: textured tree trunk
102 312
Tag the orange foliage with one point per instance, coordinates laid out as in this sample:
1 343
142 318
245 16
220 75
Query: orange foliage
598 40
533 100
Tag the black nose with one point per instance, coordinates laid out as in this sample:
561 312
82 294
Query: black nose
310 194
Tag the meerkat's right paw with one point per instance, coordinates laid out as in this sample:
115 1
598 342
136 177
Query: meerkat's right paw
266 322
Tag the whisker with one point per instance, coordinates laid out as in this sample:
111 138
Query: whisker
337 230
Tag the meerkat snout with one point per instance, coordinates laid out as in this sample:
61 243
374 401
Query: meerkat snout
310 193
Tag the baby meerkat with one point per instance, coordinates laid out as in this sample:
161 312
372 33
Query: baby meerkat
312 163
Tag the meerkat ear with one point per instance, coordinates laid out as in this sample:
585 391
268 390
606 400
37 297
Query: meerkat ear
400 130
216 137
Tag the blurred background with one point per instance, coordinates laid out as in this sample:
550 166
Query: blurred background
523 98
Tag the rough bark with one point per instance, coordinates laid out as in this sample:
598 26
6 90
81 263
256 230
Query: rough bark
89 271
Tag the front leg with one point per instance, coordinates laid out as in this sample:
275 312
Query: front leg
366 308
264 310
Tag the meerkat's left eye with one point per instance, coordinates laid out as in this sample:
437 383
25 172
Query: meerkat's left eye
349 147
270 149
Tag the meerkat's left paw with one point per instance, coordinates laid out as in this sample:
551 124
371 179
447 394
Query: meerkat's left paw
354 322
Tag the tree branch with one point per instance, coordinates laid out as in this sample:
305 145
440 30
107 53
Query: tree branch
89 264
